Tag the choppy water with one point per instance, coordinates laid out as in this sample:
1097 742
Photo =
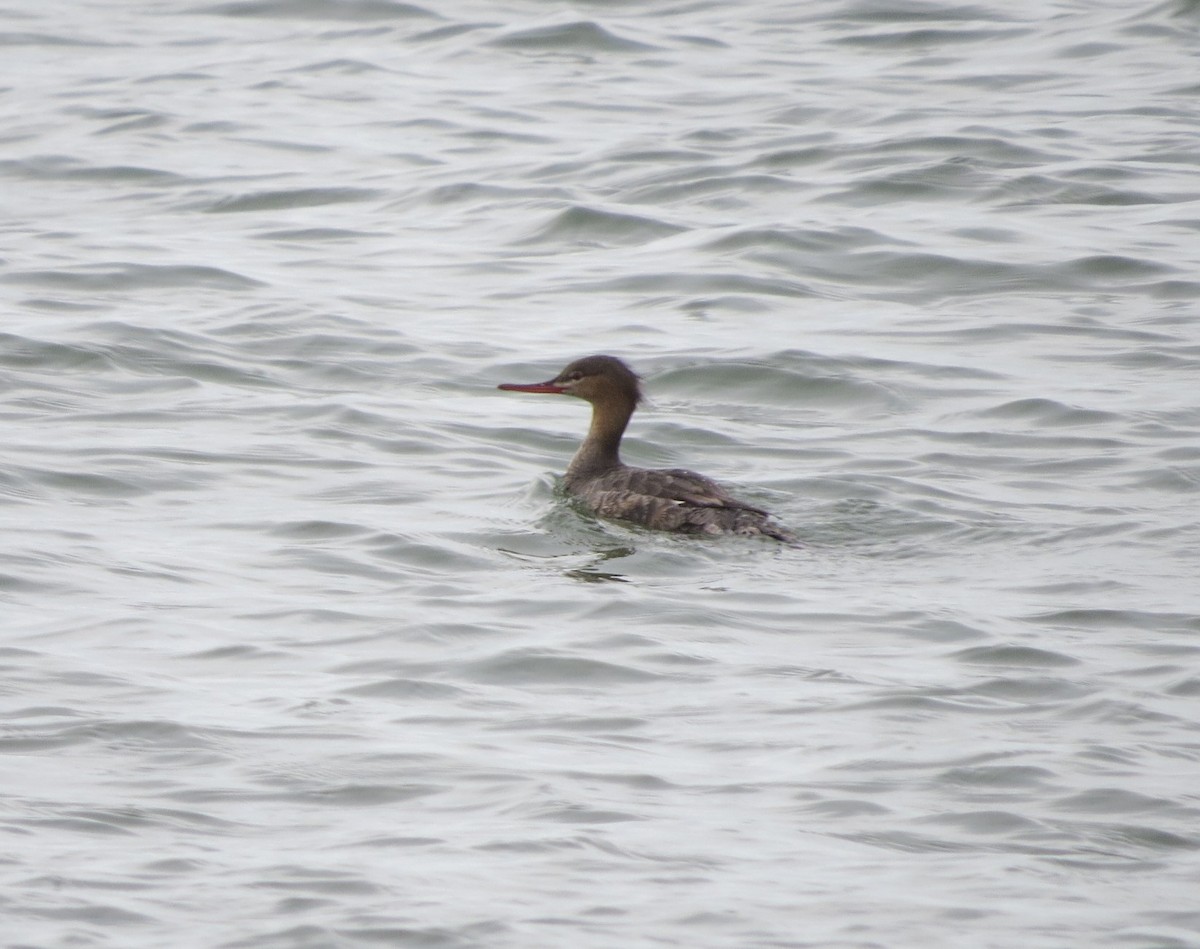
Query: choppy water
302 649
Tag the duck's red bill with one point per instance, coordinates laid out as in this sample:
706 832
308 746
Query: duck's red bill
532 387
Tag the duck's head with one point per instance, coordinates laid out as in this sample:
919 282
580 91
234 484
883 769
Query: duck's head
595 379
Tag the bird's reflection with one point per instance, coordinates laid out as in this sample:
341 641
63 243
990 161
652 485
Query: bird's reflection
592 574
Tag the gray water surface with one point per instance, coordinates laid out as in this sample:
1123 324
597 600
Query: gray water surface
302 646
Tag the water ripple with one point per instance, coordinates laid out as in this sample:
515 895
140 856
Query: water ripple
298 618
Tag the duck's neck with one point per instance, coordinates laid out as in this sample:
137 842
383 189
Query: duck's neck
601 449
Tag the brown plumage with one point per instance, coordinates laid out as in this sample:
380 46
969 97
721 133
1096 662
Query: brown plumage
669 499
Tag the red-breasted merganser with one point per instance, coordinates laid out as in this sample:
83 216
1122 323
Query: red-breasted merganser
669 499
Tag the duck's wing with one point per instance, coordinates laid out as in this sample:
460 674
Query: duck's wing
680 486
674 500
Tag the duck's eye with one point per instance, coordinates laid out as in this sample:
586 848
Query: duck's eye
575 376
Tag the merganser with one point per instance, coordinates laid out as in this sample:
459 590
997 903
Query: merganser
670 499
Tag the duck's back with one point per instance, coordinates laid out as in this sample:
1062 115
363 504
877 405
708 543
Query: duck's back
671 499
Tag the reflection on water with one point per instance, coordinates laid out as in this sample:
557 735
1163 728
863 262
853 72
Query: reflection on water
592 574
